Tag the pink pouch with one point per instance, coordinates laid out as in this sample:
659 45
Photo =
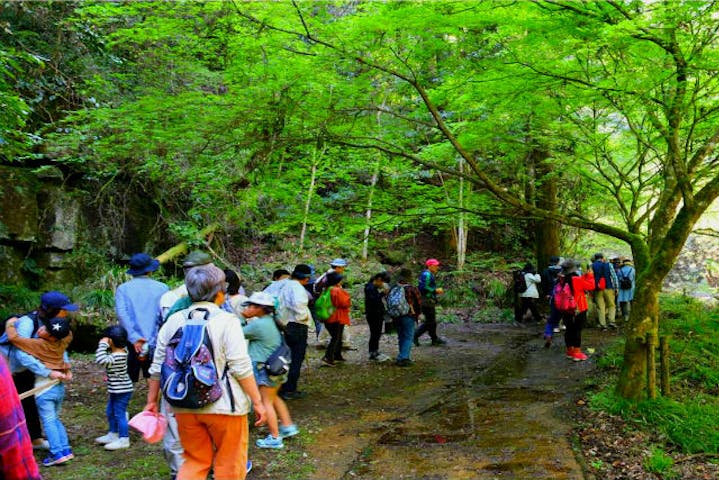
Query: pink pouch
151 426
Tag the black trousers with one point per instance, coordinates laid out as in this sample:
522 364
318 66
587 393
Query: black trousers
574 324
524 304
430 323
25 381
296 338
376 323
334 349
135 365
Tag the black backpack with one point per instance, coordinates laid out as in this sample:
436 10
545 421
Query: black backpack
278 363
520 284
32 315
625 283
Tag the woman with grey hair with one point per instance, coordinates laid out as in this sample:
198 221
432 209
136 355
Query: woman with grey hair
216 434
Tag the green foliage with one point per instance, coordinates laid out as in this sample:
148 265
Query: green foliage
661 463
17 299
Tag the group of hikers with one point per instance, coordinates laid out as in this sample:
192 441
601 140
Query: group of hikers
571 291
210 355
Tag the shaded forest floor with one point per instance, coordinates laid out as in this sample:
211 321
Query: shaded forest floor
492 403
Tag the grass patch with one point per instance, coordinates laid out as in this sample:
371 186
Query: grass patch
690 419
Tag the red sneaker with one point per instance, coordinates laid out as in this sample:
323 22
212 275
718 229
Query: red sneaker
578 356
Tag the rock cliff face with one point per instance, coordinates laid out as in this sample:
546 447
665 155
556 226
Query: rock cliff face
45 222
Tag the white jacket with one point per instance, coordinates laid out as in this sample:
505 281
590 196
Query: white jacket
532 280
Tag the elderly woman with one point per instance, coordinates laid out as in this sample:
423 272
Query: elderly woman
217 434
263 331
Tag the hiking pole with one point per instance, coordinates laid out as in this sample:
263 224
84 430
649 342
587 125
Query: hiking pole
40 388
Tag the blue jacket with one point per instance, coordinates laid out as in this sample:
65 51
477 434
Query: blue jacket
427 284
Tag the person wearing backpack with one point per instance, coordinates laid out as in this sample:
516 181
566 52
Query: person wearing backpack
264 333
570 296
549 280
627 283
429 290
404 306
339 318
605 279
375 294
215 435
24 367
528 299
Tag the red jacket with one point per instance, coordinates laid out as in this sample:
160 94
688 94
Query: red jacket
342 302
581 285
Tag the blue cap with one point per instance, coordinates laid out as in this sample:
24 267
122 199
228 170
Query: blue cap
57 300
142 263
338 262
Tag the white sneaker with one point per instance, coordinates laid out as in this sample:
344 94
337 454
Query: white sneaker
381 357
122 442
109 437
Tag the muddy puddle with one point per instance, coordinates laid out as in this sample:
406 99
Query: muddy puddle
492 404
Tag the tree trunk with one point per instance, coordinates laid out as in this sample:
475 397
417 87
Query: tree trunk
547 231
644 320
461 227
368 214
316 156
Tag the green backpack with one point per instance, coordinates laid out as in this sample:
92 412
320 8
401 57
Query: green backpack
323 306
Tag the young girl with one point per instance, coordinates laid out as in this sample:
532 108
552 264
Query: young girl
49 348
263 333
112 354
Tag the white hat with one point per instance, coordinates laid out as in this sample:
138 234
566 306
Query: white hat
260 298
338 262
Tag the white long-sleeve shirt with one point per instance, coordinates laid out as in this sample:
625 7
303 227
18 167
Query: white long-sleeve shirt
532 280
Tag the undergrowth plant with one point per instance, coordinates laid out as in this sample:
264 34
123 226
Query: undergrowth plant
689 420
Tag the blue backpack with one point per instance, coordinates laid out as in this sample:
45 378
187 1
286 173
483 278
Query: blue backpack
189 376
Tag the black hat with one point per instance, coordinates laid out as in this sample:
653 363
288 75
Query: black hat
58 327
333 278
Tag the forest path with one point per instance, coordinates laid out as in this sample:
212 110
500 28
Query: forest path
492 403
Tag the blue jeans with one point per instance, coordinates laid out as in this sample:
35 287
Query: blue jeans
296 338
405 335
48 406
116 413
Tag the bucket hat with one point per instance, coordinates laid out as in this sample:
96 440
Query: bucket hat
142 263
338 262
151 426
260 298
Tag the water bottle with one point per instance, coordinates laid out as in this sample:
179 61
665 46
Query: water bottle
144 351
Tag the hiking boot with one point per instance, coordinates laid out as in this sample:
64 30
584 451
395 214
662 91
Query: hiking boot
416 341
289 431
270 442
340 359
405 362
438 341
547 341
249 466
578 355
570 353
327 363
67 453
109 437
119 444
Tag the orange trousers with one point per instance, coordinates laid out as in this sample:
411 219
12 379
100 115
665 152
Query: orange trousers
211 440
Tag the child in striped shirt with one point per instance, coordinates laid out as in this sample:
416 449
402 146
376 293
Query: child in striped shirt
112 354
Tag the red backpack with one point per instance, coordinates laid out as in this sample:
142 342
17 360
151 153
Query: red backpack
564 298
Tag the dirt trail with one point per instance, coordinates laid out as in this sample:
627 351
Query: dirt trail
493 403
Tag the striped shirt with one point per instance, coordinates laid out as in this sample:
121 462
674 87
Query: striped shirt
118 381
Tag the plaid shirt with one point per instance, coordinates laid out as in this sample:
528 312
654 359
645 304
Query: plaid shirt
18 462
